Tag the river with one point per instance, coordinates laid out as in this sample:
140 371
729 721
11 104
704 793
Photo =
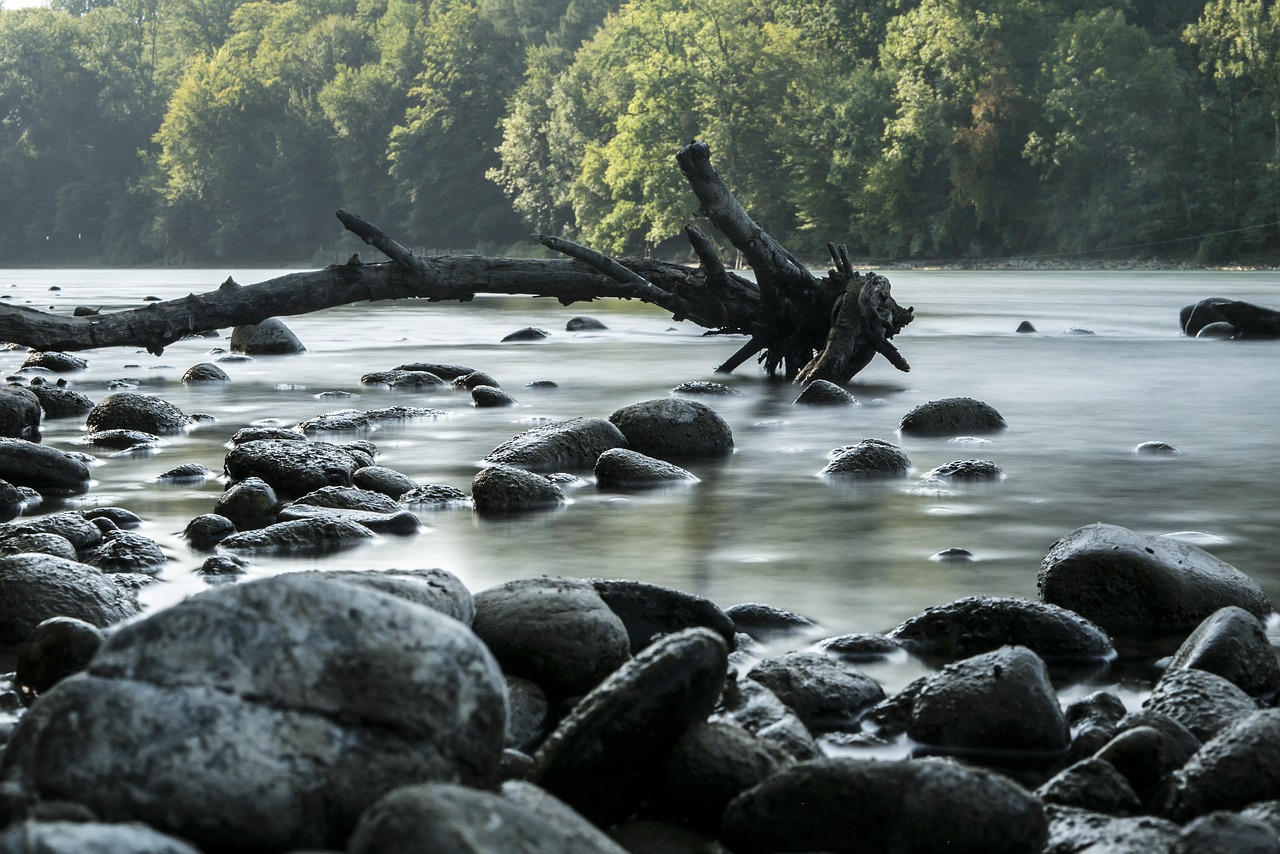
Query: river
760 526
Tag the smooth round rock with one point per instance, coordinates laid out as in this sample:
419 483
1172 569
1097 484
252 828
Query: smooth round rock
998 701
649 611
970 471
870 458
1025 327
291 468
624 468
582 323
824 692
1128 583
529 714
59 363
529 333
1232 643
556 632
753 707
436 589
249 504
126 551
267 716
953 416
119 439
979 624
762 621
58 647
444 371
254 434
474 379
207 530
490 397
504 488
604 758
69 524
267 338
890 807
128 410
710 765
204 372
37 587
860 647
1091 784
38 542
385 481
562 446
46 470
314 535
59 402
674 427
88 837
186 473
19 413
825 393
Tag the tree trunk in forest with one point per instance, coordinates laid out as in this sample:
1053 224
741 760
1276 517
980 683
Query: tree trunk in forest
802 327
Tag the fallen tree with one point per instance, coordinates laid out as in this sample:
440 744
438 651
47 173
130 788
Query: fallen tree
799 326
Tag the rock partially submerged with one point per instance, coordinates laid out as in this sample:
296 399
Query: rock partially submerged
1128 583
624 468
953 416
978 624
44 469
19 413
292 468
127 410
38 587
563 445
674 428
868 459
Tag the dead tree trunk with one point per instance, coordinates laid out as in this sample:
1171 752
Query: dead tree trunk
800 326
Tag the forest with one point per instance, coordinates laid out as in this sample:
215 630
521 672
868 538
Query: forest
140 132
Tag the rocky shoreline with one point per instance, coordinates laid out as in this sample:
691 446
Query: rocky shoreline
398 711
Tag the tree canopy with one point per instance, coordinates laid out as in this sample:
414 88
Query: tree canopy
218 131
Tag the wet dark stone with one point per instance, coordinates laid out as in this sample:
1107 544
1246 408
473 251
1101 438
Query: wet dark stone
1077 330
187 473
824 692
79 836
398 521
673 427
1220 331
61 402
119 439
541 385
530 713
223 565
649 611
825 393
1202 702
472 380
1237 767
953 555
207 530
349 498
861 647
262 434
34 588
978 624
125 551
12 501
1148 747
489 397
436 589
966 471
749 704
291 468
445 372
38 543
605 757
19 413
313 535
953 416
1025 326
503 489
215 708
709 766
249 504
998 702
339 421
1226 831
1128 583
583 323
710 389
1253 321
624 468
858 805
529 333
205 372
1233 644
69 524
1091 784
384 481
132 411
870 458
59 363
762 621
556 632
1156 449
268 338
452 819
435 496
1076 831
58 647
561 446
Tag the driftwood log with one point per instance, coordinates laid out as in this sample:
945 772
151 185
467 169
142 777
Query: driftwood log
799 326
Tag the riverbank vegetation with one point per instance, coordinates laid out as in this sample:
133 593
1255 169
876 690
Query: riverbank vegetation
176 131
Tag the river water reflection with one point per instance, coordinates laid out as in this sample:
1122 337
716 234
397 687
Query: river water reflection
760 526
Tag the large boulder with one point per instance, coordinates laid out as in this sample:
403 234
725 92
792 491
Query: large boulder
890 807
1128 583
19 413
556 632
673 427
38 587
268 338
291 468
573 444
126 410
266 716
44 469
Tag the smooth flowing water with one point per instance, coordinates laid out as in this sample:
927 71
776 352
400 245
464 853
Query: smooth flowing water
760 526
